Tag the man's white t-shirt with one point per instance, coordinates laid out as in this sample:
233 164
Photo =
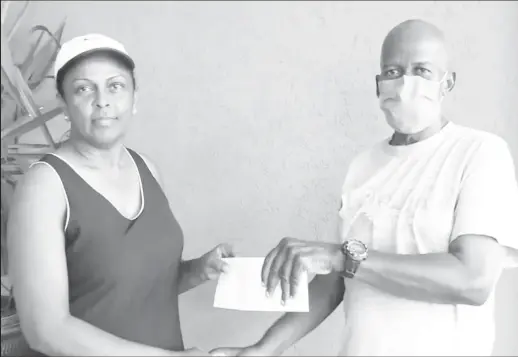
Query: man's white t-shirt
416 199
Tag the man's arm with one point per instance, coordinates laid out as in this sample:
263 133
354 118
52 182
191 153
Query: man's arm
464 275
484 223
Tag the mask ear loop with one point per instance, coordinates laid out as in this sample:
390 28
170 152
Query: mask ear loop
443 93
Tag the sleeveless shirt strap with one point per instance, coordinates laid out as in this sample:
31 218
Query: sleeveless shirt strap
61 171
141 163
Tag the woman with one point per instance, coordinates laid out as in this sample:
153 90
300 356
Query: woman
96 253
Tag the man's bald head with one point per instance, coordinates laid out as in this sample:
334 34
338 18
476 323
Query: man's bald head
415 42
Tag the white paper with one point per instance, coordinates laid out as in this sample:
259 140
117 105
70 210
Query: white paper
241 289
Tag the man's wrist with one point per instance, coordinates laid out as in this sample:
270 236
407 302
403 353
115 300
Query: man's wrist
338 259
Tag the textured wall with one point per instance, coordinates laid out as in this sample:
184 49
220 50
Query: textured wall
252 110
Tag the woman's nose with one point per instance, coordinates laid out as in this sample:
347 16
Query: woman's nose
101 100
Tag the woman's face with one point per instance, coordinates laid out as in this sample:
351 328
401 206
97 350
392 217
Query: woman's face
100 96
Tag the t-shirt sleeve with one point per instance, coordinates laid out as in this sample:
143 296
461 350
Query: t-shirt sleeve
488 200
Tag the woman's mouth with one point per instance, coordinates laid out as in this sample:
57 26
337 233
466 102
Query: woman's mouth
104 121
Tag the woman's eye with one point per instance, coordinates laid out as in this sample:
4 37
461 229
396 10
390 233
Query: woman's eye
82 89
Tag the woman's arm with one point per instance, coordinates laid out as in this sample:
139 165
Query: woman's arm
38 269
207 267
190 270
191 275
195 272
326 292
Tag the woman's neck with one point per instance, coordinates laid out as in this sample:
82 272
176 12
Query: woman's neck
100 158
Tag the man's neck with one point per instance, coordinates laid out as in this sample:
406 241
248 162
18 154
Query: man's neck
399 139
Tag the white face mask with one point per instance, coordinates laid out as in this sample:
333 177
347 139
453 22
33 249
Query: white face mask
411 103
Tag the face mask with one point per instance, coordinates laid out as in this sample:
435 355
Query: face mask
411 103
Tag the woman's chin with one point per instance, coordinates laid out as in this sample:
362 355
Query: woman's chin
106 141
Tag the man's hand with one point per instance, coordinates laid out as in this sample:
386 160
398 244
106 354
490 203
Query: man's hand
292 256
211 263
238 351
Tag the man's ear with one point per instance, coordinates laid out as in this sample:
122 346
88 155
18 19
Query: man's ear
377 85
451 81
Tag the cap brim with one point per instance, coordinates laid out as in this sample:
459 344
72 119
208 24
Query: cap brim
99 49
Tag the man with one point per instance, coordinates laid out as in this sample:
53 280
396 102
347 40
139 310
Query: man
428 219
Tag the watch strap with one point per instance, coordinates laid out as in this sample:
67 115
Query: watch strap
351 266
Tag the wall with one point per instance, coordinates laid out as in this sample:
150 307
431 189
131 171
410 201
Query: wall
252 110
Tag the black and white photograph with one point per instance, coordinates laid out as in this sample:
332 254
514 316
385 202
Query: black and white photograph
259 178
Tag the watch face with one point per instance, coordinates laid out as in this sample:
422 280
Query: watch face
357 249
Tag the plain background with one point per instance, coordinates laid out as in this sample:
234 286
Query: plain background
252 111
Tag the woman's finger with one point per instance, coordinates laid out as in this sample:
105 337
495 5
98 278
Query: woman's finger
226 250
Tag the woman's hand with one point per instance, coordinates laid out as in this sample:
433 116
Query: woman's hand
211 263
193 352
239 351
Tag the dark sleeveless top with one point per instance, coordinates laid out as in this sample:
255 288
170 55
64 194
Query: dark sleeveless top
123 274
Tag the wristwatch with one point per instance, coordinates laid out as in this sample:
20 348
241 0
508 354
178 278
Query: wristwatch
355 252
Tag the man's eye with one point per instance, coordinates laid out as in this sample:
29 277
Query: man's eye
421 70
116 86
391 73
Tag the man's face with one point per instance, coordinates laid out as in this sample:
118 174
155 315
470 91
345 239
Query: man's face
413 103
413 56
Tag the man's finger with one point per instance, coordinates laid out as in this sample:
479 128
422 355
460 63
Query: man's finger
296 271
265 270
285 274
273 275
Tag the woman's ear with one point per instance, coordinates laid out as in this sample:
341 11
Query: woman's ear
63 104
134 109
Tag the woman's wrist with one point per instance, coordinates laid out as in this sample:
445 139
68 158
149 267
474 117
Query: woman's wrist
266 346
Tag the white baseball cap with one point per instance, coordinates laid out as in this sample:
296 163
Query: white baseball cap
87 44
